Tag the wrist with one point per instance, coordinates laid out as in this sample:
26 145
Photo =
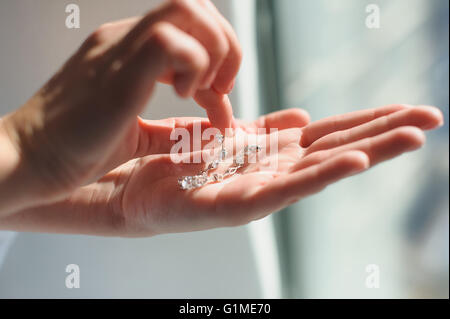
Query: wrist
77 214
15 188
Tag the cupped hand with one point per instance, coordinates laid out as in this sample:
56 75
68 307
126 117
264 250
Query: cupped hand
144 199
83 122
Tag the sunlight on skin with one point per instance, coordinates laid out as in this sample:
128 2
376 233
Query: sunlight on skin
144 199
186 44
71 169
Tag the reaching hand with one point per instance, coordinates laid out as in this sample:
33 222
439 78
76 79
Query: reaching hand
83 122
142 197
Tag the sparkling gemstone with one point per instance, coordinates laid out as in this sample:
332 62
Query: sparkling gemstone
185 182
199 181
214 164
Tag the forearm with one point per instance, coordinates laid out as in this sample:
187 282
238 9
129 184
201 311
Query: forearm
14 192
25 206
82 213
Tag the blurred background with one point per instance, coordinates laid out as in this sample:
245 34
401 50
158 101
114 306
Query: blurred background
313 54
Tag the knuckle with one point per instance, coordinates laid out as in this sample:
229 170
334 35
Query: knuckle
198 61
159 31
98 35
159 35
104 27
221 45
184 7
92 40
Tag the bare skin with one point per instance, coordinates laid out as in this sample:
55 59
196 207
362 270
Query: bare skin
76 158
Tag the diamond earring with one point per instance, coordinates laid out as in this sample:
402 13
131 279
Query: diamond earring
190 182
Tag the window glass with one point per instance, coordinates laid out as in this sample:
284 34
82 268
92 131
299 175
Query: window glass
393 220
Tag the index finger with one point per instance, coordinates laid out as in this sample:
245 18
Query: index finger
217 106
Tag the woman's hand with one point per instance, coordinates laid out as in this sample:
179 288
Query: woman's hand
143 198
83 122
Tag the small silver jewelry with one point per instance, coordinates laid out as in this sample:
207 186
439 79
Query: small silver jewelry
195 181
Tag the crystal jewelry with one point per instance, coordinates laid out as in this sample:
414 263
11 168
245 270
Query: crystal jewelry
190 182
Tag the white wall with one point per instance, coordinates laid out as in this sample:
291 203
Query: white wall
217 263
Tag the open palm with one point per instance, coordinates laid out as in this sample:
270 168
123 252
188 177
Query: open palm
309 158
142 197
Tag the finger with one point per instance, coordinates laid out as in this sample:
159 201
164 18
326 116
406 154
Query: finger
209 32
379 148
150 137
284 119
155 135
224 80
117 29
423 117
187 58
106 36
167 48
286 189
218 108
193 19
332 124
